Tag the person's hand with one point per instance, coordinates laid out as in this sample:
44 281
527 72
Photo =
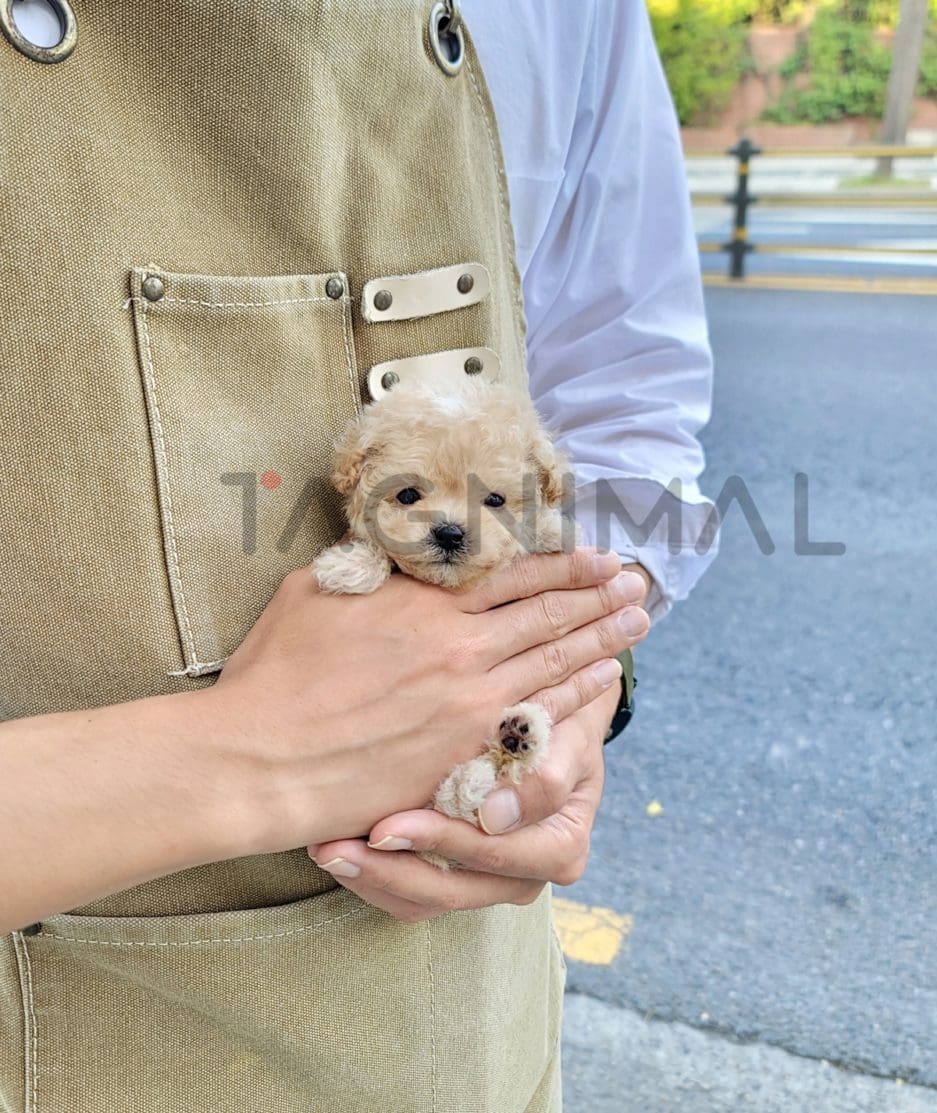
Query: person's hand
547 818
534 833
338 711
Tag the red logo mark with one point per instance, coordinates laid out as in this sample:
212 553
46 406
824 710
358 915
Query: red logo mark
270 480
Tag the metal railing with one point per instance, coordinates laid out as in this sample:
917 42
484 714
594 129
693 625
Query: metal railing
739 246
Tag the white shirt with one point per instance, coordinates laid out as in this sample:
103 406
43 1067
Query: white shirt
619 358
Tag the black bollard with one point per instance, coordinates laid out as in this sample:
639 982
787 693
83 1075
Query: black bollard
738 247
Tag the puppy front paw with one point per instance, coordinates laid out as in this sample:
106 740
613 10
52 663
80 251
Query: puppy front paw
523 739
351 568
462 793
460 796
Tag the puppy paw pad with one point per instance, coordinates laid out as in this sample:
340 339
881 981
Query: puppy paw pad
514 734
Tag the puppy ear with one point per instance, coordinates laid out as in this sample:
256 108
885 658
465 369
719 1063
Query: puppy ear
350 455
551 466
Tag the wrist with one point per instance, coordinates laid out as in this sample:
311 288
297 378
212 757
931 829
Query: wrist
244 801
205 773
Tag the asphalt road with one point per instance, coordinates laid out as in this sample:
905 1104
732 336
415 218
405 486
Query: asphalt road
787 894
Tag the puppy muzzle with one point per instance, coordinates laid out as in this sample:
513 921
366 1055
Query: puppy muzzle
448 537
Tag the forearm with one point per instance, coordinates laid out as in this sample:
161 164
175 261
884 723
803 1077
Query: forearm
93 802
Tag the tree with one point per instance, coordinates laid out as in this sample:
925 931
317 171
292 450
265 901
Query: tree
905 64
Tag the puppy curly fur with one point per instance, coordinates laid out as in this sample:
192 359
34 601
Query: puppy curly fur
449 488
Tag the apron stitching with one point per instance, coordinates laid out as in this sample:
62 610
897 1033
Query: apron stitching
352 377
231 304
30 1033
163 481
551 1062
197 942
196 667
432 1007
505 212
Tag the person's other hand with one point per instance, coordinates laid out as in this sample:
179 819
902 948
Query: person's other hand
545 823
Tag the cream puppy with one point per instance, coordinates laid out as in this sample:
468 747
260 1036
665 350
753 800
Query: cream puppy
448 488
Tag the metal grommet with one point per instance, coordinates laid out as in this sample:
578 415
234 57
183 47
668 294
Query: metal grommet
57 53
383 299
335 288
446 37
474 366
389 380
465 283
153 287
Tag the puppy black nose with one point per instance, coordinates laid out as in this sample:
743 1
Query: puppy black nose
449 537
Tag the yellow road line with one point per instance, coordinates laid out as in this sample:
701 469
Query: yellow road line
590 934
842 199
872 150
826 284
708 247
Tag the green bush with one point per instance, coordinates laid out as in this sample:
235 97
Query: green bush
784 13
837 70
846 69
702 47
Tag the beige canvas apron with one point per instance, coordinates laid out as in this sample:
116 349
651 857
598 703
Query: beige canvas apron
192 205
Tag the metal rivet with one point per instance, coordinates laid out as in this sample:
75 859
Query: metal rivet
335 288
383 299
474 366
446 36
57 53
465 283
389 380
153 288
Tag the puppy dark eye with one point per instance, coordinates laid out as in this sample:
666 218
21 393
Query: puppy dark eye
494 500
408 496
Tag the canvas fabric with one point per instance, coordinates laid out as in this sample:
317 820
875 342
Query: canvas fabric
247 153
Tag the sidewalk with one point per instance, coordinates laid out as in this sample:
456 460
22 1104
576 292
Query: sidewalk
615 1061
809 175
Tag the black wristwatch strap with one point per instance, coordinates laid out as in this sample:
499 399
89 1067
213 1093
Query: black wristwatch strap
625 709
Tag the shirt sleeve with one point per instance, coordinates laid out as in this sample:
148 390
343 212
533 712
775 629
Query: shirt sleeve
619 356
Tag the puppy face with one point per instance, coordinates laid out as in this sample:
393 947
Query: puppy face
449 486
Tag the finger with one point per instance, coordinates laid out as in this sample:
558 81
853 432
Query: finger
555 849
554 662
580 689
400 909
551 615
405 877
551 822
531 575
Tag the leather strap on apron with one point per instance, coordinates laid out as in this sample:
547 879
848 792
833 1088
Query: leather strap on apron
201 196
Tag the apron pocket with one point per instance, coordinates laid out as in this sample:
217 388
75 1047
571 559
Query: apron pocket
324 1004
247 383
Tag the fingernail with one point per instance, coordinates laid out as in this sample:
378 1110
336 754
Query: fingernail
500 811
338 867
606 673
605 565
629 587
391 842
633 622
